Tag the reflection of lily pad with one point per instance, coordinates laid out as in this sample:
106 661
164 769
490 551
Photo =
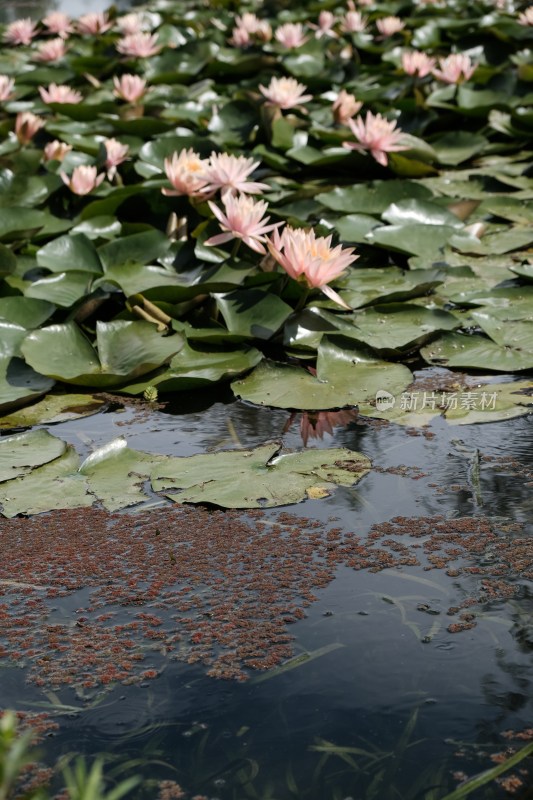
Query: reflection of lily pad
260 477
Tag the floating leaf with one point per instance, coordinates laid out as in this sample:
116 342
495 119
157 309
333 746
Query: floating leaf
457 350
374 197
253 312
53 408
19 454
195 367
72 252
258 478
124 350
52 486
115 474
347 374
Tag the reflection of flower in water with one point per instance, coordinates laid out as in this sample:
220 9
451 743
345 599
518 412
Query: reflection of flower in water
314 424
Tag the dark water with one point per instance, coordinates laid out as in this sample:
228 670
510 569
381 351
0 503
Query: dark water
391 703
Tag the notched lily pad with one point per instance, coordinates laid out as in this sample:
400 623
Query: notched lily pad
259 478
124 350
347 374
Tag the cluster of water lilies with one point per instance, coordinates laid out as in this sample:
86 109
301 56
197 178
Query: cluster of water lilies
218 168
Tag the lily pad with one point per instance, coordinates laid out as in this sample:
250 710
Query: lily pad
72 252
458 350
21 453
53 485
195 367
374 197
258 478
124 350
253 312
53 408
347 374
115 474
467 405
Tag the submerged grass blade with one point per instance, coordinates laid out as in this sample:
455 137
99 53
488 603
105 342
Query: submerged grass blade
297 661
489 775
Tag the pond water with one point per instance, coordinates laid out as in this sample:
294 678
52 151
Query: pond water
408 665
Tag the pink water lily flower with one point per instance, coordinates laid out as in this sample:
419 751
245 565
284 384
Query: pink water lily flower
417 63
345 107
130 24
27 125
291 35
244 219
311 259
139 45
59 23
326 21
388 26
186 172
377 134
6 87
240 37
21 31
60 94
229 173
53 50
259 28
94 23
130 88
455 68
83 179
56 150
354 22
526 16
285 93
116 153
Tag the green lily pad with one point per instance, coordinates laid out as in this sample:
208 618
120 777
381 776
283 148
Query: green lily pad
347 374
124 350
458 146
63 289
53 408
18 223
253 312
374 197
115 474
233 124
19 383
363 287
457 350
52 486
71 252
21 453
489 402
139 248
258 478
25 311
195 367
420 212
